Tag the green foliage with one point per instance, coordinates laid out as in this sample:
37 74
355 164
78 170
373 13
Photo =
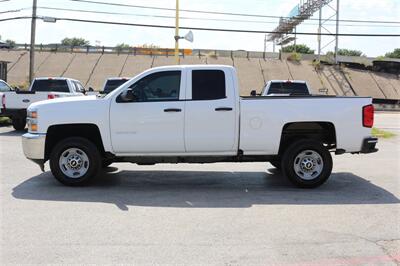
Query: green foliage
296 57
11 42
122 46
348 52
379 133
75 42
380 58
300 48
394 54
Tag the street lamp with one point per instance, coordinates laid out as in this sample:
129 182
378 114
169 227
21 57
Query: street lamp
188 36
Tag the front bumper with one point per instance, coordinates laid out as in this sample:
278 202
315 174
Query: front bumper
368 145
33 146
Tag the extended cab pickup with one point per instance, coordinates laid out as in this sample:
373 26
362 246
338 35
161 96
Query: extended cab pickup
15 103
194 114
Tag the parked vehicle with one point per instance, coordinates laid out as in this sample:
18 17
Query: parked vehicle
4 86
113 83
193 114
286 88
15 103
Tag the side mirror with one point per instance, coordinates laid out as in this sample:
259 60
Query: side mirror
127 96
253 93
91 89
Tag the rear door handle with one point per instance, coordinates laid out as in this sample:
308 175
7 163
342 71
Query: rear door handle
223 109
170 110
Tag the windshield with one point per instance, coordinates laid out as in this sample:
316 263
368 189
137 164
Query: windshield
50 85
4 86
113 84
288 88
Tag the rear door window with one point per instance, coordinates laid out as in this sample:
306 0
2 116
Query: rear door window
50 85
208 85
79 87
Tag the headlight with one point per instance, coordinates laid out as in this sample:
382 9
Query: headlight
32 120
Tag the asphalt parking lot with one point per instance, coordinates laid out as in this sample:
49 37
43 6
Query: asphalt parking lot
224 214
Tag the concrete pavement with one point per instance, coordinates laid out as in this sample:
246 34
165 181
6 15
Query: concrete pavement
218 214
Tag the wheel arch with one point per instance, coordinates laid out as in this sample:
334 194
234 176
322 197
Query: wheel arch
323 131
56 133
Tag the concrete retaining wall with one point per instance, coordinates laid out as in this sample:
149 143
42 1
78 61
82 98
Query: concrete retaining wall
92 70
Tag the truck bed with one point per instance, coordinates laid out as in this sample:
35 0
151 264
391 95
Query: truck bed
269 114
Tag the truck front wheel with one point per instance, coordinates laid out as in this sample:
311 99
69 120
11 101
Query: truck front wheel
307 163
19 123
75 161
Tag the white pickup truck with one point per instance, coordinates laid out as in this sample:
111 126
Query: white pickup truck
15 103
194 114
286 88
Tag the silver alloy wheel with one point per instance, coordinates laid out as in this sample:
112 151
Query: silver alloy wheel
308 164
74 163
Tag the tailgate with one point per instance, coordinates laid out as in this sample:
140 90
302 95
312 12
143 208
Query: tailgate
22 100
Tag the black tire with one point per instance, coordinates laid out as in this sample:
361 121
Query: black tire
19 123
93 156
106 162
299 148
277 164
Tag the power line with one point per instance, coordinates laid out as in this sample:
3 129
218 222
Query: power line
13 10
193 18
221 13
206 29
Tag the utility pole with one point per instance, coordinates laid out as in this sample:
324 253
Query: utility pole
265 43
177 33
337 32
319 34
32 49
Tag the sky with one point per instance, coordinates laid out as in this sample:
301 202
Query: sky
110 35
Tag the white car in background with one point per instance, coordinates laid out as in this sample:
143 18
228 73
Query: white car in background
112 83
15 102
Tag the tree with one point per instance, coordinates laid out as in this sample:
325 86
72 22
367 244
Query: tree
75 42
11 42
348 52
122 46
394 54
300 48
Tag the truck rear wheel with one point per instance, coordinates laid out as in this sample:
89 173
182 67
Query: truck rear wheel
75 161
19 123
277 164
307 163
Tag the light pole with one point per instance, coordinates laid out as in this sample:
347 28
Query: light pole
177 33
32 48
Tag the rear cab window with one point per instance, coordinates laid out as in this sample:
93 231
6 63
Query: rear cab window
56 85
208 85
288 88
113 84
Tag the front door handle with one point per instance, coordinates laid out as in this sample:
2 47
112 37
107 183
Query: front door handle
223 109
170 110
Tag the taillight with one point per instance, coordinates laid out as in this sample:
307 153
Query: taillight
3 101
52 96
368 115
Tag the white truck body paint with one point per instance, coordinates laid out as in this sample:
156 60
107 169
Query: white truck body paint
254 125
